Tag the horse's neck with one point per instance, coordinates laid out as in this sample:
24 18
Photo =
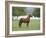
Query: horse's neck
28 17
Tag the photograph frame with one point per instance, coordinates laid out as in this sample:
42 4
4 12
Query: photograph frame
7 19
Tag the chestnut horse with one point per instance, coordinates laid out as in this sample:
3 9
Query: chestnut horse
25 20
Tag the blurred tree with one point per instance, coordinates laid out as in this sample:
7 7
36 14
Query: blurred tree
17 11
36 12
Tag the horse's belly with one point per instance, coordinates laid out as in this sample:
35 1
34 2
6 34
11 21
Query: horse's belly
25 21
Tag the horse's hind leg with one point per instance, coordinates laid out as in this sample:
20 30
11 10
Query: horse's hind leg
27 24
20 24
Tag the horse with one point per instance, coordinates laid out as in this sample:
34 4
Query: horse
25 20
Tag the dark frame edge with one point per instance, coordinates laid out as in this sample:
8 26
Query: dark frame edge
6 20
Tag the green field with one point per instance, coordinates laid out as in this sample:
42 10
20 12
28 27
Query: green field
33 25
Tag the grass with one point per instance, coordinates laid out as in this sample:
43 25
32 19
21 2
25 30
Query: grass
33 25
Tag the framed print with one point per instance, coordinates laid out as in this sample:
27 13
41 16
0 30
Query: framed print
24 18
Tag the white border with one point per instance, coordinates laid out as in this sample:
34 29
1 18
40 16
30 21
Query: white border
24 32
